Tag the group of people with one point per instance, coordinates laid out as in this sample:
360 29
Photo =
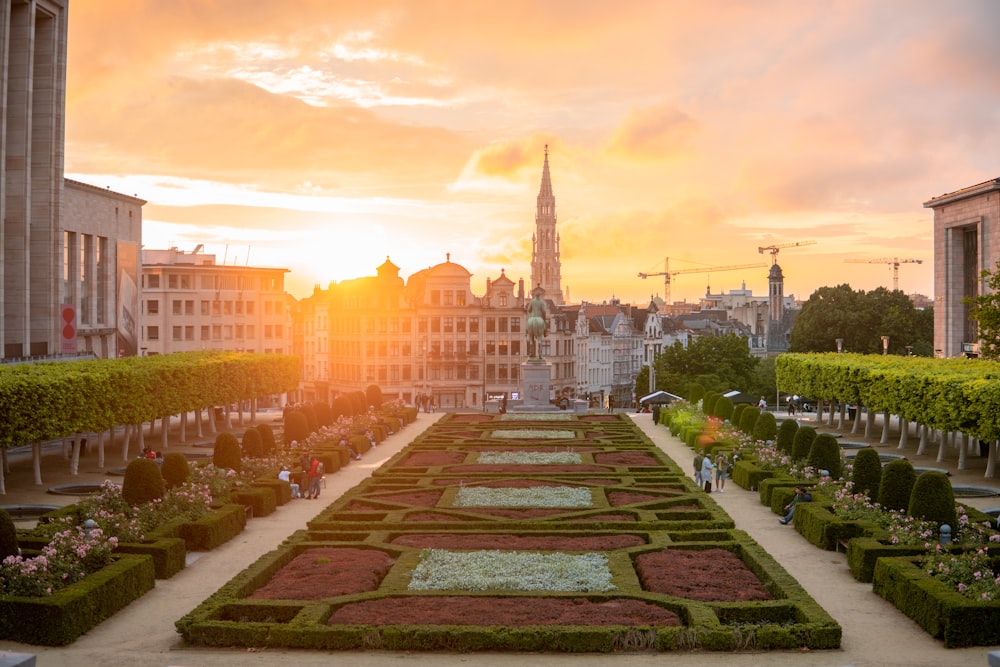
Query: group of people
309 477
425 402
706 469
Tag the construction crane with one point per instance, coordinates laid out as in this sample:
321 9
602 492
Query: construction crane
773 249
667 274
894 261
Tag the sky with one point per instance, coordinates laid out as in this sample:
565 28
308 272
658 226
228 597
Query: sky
323 136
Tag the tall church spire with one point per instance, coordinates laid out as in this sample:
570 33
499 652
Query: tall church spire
546 269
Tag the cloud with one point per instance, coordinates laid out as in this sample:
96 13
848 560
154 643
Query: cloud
660 132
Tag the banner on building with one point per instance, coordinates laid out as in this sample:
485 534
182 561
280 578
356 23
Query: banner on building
67 329
128 299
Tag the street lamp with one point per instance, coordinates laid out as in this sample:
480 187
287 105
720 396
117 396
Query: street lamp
840 345
885 345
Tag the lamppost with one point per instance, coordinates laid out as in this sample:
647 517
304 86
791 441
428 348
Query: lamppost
885 345
840 345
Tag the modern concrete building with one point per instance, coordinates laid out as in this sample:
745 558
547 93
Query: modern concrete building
32 111
965 244
190 302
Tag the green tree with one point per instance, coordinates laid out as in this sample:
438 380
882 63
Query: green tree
985 311
717 363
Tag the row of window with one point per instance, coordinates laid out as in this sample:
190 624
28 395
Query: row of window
217 332
213 307
213 282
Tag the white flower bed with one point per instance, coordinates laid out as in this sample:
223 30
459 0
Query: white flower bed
487 570
532 496
537 417
528 458
531 434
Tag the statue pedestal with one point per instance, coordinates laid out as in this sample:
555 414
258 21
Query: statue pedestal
536 379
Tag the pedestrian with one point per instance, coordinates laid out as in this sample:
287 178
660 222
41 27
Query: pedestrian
706 473
721 471
611 403
762 405
697 468
315 475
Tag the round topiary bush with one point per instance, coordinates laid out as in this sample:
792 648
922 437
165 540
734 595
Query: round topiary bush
738 411
867 475
709 401
373 394
696 392
8 536
802 442
932 499
143 482
825 455
175 470
253 448
786 436
227 452
296 427
748 419
324 414
266 438
724 408
766 427
898 478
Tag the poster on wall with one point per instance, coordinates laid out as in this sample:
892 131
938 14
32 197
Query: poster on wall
128 299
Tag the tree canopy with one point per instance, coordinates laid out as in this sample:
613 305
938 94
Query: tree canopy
985 310
861 319
718 363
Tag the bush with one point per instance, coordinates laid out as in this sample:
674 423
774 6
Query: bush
373 394
932 499
253 448
708 403
324 415
312 421
786 436
825 455
175 469
738 411
695 392
748 418
296 427
143 482
867 476
898 478
8 536
227 452
341 407
802 442
266 438
724 408
766 427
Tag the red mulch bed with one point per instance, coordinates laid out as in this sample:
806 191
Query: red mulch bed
493 611
523 542
626 459
434 459
325 572
711 575
619 498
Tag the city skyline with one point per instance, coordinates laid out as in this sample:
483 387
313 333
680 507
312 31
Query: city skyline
322 137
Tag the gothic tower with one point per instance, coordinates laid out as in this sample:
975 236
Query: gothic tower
546 271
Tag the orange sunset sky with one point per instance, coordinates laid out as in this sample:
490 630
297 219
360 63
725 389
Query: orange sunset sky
322 136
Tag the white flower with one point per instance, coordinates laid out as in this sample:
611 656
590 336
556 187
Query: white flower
528 458
440 569
531 434
532 496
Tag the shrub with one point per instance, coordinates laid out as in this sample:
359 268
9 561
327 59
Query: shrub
748 418
898 478
724 408
786 436
373 394
802 442
227 452
359 402
825 455
738 411
696 392
867 476
766 427
266 438
8 536
175 469
253 448
143 482
932 499
324 415
311 420
296 427
341 407
708 403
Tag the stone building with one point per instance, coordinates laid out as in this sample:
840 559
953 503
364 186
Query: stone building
964 246
190 302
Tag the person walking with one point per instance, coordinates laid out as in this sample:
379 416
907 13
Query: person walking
706 472
721 471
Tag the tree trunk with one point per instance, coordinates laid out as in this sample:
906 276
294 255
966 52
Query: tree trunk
886 420
3 479
991 462
869 420
74 459
941 446
36 461
841 415
962 449
904 432
100 450
857 418
164 433
183 427
197 424
126 437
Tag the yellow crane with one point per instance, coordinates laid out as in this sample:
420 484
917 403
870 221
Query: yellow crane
773 249
667 273
893 261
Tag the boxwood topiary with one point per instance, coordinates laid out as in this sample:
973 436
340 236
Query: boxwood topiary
802 442
738 411
766 427
252 446
748 419
724 408
786 436
708 403
932 499
867 475
825 455
296 427
143 482
8 536
266 438
696 392
227 452
898 478
175 469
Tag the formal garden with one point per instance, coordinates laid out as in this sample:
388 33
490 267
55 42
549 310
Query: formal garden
553 532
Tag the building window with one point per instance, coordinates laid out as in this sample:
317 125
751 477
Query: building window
239 332
502 324
178 307
473 372
206 308
251 333
515 324
460 298
448 298
491 372
422 325
216 307
515 348
189 307
503 300
185 282
449 325
189 333
491 347
239 307
502 348
268 331
227 331
227 307
460 324
473 347
172 281
178 333
153 307
152 333
153 281
250 307
435 297
435 325
491 325
206 332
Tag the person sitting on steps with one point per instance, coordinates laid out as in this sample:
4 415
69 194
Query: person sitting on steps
801 496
